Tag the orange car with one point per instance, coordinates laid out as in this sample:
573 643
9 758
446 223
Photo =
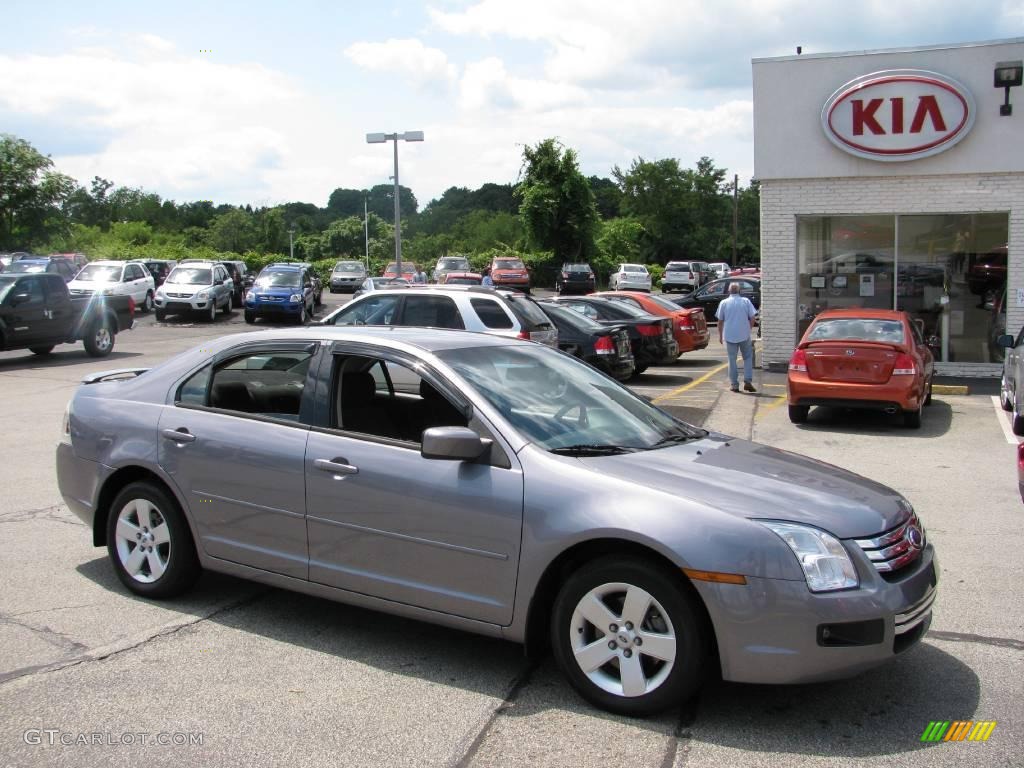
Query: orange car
861 358
689 326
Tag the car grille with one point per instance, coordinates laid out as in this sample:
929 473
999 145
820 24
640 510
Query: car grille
82 292
915 614
180 295
895 549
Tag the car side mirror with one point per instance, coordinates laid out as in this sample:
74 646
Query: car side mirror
1005 341
227 281
453 444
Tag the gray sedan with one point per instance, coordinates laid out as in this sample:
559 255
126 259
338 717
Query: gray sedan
500 487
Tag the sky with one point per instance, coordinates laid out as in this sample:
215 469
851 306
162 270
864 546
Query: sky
264 103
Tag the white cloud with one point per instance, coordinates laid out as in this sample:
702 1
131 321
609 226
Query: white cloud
409 57
487 83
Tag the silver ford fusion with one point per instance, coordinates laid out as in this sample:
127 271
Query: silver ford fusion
501 487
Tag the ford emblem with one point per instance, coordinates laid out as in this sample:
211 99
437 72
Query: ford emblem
915 537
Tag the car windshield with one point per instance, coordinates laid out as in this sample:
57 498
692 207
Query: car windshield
508 264
190 276
453 263
23 266
858 329
348 267
100 273
278 280
562 404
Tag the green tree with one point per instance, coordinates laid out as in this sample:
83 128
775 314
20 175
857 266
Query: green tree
657 194
556 205
381 201
233 231
607 196
619 241
31 194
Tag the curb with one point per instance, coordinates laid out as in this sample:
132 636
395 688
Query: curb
950 389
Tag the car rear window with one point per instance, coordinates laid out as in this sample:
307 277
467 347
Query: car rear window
531 317
572 318
579 268
491 314
635 268
858 329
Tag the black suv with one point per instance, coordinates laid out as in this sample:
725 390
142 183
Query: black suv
575 278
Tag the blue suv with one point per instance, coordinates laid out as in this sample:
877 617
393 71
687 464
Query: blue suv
281 291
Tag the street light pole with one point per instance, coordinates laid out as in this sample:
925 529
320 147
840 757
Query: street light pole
381 138
291 245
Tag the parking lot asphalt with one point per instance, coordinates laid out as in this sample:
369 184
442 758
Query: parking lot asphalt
265 677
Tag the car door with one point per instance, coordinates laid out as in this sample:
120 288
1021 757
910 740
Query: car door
223 285
234 443
60 316
135 282
27 321
384 521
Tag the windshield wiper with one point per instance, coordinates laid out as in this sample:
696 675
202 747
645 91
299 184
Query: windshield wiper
593 449
674 439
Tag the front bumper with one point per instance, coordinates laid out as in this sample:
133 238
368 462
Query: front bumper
270 307
172 305
343 284
770 630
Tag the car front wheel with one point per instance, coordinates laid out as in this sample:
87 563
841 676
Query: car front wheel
149 542
629 637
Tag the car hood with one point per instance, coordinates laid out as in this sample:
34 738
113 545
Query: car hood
749 480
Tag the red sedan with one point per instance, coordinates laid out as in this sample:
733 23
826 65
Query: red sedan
861 358
689 326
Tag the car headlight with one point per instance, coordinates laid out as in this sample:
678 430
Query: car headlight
826 564
204 294
107 292
295 298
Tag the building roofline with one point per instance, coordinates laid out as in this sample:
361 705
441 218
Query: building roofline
877 51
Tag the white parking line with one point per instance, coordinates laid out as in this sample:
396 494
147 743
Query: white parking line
1004 422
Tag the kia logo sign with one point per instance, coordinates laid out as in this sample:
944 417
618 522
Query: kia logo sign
899 114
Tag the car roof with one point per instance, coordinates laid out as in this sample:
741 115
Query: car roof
198 262
441 290
283 267
862 313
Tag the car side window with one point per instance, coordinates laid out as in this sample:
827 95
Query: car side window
629 300
373 310
431 312
263 383
714 290
386 399
33 286
584 309
491 313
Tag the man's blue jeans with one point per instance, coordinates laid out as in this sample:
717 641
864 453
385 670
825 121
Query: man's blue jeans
746 348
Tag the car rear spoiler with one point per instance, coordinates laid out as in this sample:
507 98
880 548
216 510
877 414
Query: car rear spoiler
117 373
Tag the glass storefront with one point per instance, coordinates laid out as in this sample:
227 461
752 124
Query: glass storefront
946 270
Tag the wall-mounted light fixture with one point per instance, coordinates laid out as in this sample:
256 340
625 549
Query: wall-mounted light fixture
1008 75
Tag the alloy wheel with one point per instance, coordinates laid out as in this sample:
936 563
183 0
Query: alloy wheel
142 540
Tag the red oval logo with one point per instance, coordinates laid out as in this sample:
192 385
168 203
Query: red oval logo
898 115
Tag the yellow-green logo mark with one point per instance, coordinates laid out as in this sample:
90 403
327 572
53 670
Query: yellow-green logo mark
958 730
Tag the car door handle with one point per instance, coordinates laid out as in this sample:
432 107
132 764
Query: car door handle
337 466
180 435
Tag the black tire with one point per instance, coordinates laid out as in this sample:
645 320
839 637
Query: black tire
302 315
211 314
912 419
798 413
178 554
236 300
928 393
1017 422
42 350
99 339
674 610
160 315
250 317
229 306
147 303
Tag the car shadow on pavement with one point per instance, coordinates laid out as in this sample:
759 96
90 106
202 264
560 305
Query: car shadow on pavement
881 712
935 421
72 356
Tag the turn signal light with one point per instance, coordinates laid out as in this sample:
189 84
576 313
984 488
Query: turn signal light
904 366
604 346
798 362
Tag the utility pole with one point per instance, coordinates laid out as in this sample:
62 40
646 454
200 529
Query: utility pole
291 245
366 235
735 214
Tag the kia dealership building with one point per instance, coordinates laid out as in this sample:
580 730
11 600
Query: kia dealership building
894 179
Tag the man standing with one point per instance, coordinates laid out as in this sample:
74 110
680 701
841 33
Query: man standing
735 319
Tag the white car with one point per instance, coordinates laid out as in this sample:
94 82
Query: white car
116 278
720 268
195 287
630 277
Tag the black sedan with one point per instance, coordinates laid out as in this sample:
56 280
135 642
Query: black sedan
607 348
650 336
709 296
575 278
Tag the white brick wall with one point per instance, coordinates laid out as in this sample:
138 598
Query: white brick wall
782 200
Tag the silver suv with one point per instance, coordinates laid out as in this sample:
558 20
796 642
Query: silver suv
198 287
472 308
347 276
448 264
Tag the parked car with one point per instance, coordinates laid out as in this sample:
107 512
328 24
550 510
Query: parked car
607 348
160 269
79 260
500 312
1020 469
709 296
719 269
371 284
241 279
37 312
347 275
448 264
408 270
281 292
575 278
689 326
508 272
503 488
630 277
461 278
1011 388
650 336
116 278
195 288
861 358
318 284
63 267
683 276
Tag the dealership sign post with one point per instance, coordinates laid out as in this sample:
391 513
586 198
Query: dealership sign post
898 114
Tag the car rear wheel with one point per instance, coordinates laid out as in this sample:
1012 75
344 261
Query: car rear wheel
149 542
912 419
928 393
798 413
42 350
160 315
629 637
1018 419
147 303
99 339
